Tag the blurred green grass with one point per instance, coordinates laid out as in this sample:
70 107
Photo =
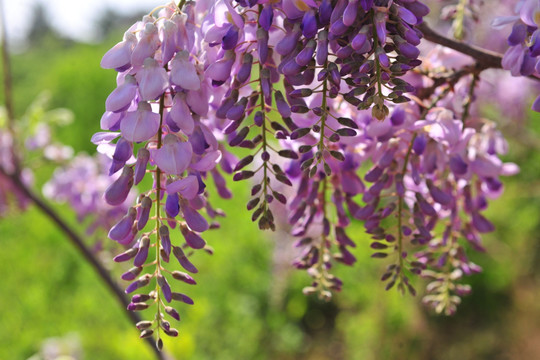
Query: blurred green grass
246 305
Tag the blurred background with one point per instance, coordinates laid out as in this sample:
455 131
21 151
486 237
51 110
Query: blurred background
249 303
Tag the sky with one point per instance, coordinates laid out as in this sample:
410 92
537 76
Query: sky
74 18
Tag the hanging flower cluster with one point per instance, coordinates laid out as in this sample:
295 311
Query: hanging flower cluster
319 94
523 55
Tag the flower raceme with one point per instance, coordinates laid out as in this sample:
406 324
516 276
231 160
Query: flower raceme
315 92
523 55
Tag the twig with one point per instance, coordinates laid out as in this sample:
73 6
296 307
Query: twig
484 58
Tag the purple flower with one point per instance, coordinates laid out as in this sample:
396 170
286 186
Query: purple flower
140 125
174 157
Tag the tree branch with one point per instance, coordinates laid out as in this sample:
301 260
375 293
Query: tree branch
485 58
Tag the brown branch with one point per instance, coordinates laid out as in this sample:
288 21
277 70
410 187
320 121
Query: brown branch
485 58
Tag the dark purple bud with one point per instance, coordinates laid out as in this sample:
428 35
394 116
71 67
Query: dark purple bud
165 288
143 212
425 207
266 17
458 166
284 179
255 189
344 53
146 333
183 260
122 153
172 205
378 246
237 111
280 197
282 106
289 41
142 254
309 24
374 174
226 104
182 276
131 274
165 239
345 256
438 195
258 118
342 238
322 47
233 125
289 154
419 144
338 28
240 136
418 9
408 50
406 16
183 298
126 255
346 132
387 158
347 122
123 227
380 26
304 57
243 163
337 155
172 312
262 45
334 137
382 57
265 81
194 220
481 224
291 68
365 212
398 116
298 133
142 325
141 282
528 65
299 109
242 175
230 39
325 11
192 239
493 184
137 306
118 191
349 15
245 69
359 41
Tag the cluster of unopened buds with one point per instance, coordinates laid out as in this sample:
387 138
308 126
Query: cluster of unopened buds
317 92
